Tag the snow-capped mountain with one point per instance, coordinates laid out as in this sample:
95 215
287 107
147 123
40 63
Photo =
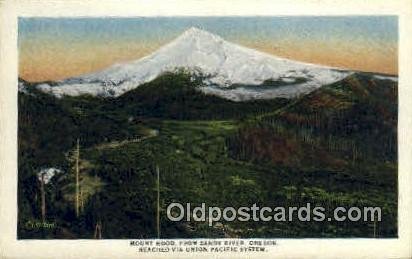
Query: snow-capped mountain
225 64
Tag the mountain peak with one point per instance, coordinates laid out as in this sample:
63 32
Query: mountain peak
196 33
194 30
223 63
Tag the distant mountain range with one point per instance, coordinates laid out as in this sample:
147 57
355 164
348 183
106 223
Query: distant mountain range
227 70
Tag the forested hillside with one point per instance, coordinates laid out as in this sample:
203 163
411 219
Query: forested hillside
336 146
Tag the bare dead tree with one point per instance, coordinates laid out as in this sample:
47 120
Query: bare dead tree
77 154
98 230
43 198
158 201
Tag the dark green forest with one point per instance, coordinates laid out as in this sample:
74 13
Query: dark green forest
336 146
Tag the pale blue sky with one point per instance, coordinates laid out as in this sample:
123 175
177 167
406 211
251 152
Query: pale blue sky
41 40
